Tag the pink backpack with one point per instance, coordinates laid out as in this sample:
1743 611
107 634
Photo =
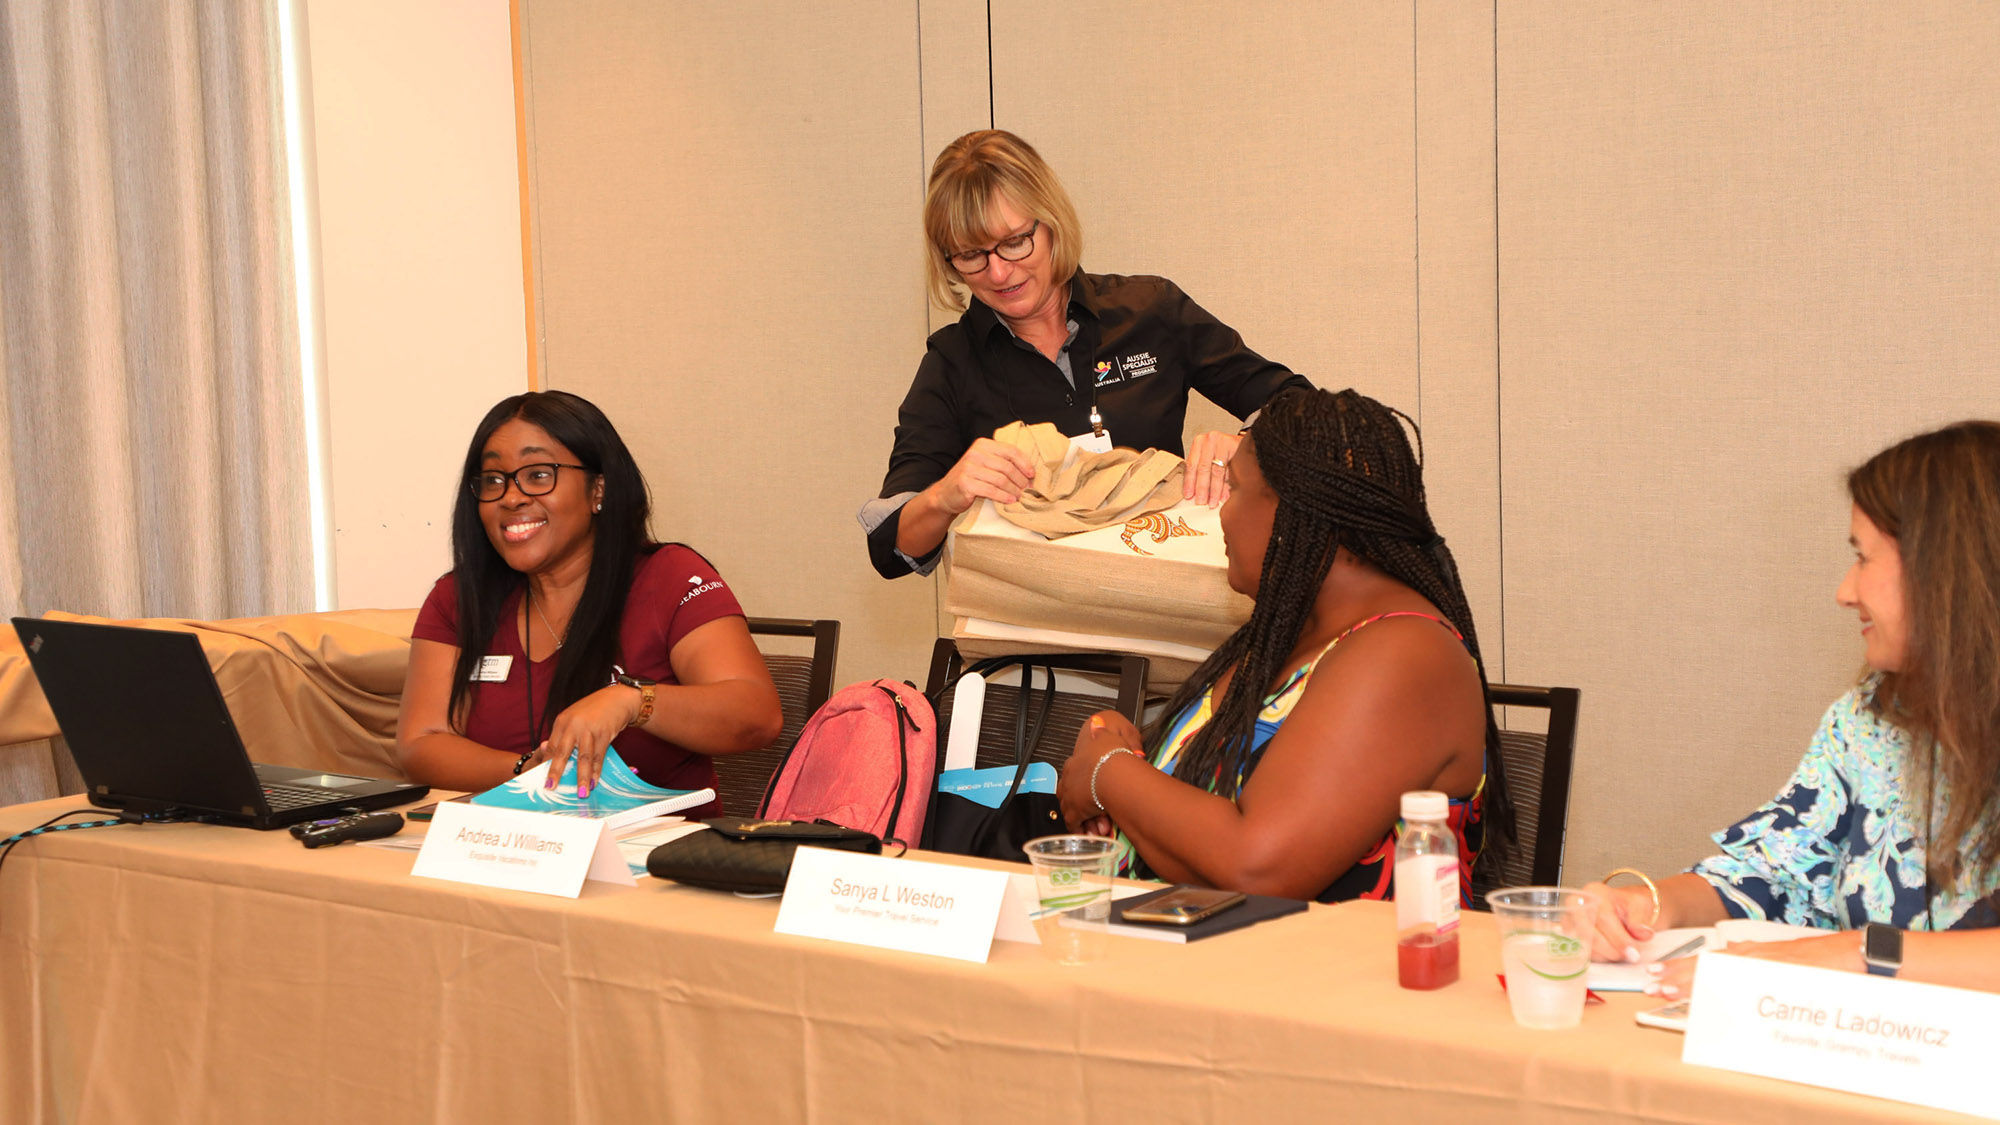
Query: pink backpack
867 760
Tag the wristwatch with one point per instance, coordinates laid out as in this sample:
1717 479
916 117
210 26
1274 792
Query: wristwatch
647 689
1882 949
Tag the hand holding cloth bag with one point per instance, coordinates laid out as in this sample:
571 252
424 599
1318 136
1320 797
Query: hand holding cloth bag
1102 555
1089 490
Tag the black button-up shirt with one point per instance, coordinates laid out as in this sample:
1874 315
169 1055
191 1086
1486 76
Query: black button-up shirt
1140 346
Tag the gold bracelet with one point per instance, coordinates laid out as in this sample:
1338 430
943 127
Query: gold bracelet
1651 888
645 706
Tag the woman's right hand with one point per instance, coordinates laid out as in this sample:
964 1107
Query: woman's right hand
987 471
1104 734
1625 917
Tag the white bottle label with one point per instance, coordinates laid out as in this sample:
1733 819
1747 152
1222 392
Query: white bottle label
1447 896
1427 893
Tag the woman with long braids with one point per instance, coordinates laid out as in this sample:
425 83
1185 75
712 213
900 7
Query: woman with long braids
1278 767
1889 830
563 626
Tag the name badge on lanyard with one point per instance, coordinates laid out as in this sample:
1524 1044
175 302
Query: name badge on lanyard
493 670
1098 440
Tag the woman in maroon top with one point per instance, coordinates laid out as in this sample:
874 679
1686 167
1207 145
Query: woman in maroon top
563 627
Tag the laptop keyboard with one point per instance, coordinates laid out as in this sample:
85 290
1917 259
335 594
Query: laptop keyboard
282 797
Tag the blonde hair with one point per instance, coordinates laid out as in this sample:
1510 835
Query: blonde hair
958 205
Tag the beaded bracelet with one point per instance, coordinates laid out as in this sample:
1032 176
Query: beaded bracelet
1099 766
1651 888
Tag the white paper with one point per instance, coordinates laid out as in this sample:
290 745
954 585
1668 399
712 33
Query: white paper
1888 1038
1630 976
1024 901
636 846
904 904
521 851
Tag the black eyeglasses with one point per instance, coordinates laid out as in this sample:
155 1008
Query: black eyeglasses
969 262
538 479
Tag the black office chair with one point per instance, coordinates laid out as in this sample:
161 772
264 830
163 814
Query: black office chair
804 683
1538 770
1067 713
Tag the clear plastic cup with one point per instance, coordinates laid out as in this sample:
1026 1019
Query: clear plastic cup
1073 886
1544 952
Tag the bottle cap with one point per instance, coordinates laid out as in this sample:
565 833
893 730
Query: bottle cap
1425 804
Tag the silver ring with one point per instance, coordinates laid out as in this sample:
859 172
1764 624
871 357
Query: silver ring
1218 462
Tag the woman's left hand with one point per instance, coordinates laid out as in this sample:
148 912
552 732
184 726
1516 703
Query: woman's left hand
1105 733
1833 951
1842 951
586 729
1202 477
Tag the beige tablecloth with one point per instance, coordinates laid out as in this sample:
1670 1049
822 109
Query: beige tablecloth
312 690
165 973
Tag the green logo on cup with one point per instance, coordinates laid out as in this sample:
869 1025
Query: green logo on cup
1062 878
1561 948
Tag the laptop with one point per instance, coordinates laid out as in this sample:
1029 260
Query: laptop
145 720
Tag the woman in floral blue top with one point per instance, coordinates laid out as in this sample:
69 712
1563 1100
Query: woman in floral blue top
1909 757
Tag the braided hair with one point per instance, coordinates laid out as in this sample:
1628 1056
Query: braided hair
1345 476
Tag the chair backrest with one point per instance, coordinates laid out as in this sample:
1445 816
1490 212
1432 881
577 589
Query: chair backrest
1538 773
1066 715
804 685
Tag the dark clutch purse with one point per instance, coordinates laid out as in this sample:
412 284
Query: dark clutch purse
740 853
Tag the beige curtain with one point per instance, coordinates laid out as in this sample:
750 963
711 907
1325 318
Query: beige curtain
151 409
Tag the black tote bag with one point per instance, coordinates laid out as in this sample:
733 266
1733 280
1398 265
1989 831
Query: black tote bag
962 826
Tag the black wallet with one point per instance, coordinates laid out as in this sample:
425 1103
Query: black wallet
741 853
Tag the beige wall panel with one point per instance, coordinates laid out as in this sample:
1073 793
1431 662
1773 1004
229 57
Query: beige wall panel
957 96
1457 374
1258 154
1741 248
420 271
725 208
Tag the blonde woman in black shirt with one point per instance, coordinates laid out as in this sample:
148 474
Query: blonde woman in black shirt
1042 341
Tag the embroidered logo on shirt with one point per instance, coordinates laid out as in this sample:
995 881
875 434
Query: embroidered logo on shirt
1162 528
1104 372
699 588
1135 366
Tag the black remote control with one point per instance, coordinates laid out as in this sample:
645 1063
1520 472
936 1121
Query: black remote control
367 826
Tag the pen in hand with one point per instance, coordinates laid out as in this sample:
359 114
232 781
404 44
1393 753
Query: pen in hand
1685 948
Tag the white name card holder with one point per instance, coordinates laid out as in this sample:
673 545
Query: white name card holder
1897 1039
901 904
517 850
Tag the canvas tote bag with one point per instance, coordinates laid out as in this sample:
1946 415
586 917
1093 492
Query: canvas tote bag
1153 582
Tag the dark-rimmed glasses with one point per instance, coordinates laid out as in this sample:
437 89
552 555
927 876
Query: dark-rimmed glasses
969 262
538 479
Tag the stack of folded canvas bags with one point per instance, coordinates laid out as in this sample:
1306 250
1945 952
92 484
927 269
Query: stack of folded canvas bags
1101 555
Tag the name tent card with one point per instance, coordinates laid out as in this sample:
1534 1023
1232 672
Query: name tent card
1897 1039
901 904
515 850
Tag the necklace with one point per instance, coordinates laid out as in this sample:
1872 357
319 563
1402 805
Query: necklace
560 637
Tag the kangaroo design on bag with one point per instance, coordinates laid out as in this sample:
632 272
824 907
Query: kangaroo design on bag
867 759
1162 528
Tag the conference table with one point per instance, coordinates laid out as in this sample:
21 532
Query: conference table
187 972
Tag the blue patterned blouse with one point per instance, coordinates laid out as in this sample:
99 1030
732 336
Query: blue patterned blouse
1840 846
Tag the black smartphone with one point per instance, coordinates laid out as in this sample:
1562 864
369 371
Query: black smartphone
1183 906
424 812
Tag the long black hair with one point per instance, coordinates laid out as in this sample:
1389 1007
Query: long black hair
1345 476
619 540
